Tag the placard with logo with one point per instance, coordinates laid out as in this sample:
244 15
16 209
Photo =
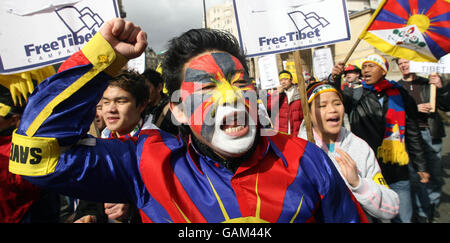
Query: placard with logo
44 32
267 27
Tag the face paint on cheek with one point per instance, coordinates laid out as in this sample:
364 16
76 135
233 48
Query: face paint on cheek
196 109
222 77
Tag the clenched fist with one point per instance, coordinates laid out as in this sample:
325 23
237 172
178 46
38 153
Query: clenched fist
125 37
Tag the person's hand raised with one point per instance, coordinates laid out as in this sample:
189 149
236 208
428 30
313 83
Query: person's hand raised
125 37
337 70
348 168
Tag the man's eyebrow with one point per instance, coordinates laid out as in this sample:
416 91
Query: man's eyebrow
194 75
116 98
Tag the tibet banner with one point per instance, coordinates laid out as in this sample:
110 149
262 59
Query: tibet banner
417 30
268 27
38 33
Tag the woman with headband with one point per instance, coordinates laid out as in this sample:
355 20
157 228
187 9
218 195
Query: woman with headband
352 156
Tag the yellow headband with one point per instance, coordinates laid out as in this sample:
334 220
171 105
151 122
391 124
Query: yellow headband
320 88
284 75
377 60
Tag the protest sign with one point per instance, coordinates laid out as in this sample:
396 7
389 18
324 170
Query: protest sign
429 67
267 27
268 72
442 67
322 63
44 32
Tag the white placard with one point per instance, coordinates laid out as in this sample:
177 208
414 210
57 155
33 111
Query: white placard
137 64
267 26
37 33
268 72
429 67
322 63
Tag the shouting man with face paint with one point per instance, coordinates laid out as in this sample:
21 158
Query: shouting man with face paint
219 170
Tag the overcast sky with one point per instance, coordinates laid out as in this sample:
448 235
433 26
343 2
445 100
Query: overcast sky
165 19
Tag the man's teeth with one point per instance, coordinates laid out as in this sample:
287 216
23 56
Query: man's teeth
234 129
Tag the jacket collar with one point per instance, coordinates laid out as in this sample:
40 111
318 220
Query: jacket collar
262 149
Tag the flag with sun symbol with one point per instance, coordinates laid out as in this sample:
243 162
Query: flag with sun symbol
417 30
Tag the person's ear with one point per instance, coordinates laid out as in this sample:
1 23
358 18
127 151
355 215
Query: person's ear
142 107
178 112
14 120
159 88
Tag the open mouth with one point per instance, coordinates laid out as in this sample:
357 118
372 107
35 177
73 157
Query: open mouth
112 119
235 124
334 121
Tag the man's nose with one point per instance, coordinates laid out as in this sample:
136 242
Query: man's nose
110 108
228 94
332 109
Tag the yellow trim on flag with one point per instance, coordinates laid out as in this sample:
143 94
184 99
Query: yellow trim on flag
298 210
181 212
102 56
396 51
222 207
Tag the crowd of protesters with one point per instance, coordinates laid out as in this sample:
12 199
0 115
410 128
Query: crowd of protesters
175 157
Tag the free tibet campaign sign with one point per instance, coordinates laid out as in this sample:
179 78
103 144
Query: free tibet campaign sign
38 33
267 26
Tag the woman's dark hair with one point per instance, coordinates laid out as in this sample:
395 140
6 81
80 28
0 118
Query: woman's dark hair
192 43
134 83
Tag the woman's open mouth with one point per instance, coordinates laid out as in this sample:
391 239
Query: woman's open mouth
333 121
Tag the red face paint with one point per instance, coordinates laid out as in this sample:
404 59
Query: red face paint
213 80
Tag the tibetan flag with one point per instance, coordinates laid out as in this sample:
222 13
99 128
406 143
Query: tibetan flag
417 30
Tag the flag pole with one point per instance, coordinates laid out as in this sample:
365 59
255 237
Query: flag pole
303 96
204 14
363 33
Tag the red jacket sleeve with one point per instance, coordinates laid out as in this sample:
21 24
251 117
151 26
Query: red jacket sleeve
75 60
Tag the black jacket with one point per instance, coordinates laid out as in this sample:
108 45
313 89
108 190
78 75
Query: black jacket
367 120
442 102
166 123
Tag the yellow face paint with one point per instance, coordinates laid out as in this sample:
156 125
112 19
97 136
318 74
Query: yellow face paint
213 82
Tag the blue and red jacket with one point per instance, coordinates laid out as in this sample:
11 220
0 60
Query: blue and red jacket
286 179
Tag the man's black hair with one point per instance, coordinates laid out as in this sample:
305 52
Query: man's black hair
192 43
134 83
153 77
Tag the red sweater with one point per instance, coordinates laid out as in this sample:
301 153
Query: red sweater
16 194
